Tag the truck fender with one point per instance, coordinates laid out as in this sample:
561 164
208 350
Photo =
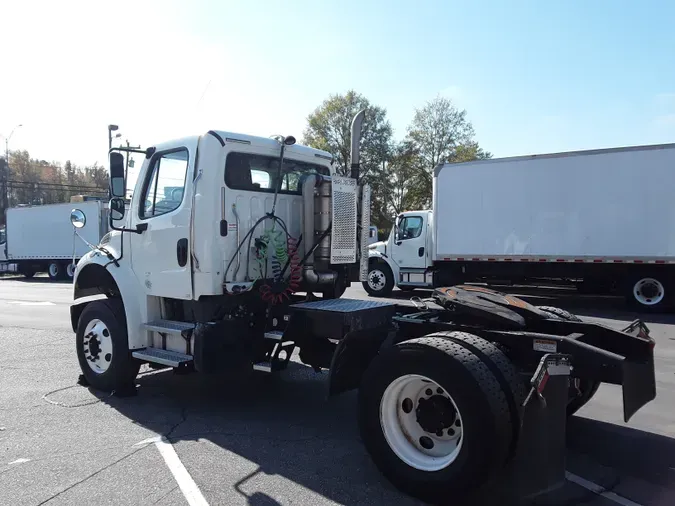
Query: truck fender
353 355
97 276
378 256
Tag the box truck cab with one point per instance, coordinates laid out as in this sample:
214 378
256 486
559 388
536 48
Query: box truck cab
404 258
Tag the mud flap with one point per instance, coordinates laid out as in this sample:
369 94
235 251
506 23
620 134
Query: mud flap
538 466
352 357
638 378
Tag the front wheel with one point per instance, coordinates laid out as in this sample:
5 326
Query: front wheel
434 418
380 281
103 347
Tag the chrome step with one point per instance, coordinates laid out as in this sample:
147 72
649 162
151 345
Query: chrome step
159 356
275 335
263 366
169 326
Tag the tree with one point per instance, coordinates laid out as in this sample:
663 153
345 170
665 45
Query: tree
329 125
35 181
440 133
404 171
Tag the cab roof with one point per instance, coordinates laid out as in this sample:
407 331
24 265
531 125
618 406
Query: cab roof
225 137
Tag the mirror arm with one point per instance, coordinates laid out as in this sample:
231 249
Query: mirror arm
140 228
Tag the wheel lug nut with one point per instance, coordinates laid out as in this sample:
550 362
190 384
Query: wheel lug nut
451 432
429 391
439 432
458 423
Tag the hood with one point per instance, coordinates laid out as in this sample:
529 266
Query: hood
378 246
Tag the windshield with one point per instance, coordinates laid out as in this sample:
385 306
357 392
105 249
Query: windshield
250 172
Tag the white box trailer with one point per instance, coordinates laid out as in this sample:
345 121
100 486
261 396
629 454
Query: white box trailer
602 219
40 238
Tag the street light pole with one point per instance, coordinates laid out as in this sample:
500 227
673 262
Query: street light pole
5 172
126 166
111 129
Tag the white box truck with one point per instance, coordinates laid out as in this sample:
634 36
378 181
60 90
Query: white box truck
601 219
40 238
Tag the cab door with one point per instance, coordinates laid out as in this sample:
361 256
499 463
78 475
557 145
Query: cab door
410 242
163 204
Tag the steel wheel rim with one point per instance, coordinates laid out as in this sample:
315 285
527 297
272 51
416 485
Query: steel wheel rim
648 291
400 412
70 270
53 270
376 280
97 346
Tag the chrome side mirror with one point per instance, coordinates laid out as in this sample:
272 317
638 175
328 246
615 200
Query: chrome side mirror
77 218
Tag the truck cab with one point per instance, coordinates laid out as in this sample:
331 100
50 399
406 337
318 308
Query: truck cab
222 229
404 258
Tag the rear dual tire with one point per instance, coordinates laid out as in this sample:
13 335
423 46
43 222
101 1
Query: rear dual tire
58 271
449 436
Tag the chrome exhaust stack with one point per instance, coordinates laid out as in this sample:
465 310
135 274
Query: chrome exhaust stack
334 202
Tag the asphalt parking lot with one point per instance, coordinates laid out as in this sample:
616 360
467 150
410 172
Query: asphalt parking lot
264 441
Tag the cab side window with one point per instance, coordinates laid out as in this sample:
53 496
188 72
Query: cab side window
165 184
410 227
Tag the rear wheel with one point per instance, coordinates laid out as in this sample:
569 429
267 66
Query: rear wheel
69 270
647 292
380 281
435 417
103 348
55 271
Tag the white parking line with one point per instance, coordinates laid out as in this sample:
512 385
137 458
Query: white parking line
31 303
597 489
185 482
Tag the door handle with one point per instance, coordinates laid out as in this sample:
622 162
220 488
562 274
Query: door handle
181 252
398 243
420 251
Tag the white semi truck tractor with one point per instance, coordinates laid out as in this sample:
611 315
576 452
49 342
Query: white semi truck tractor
232 256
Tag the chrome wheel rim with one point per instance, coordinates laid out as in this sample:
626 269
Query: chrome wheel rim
97 345
53 270
376 280
421 423
649 291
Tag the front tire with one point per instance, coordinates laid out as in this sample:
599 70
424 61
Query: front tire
380 281
435 418
103 347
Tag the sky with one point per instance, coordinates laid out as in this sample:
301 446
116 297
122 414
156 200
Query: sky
534 77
